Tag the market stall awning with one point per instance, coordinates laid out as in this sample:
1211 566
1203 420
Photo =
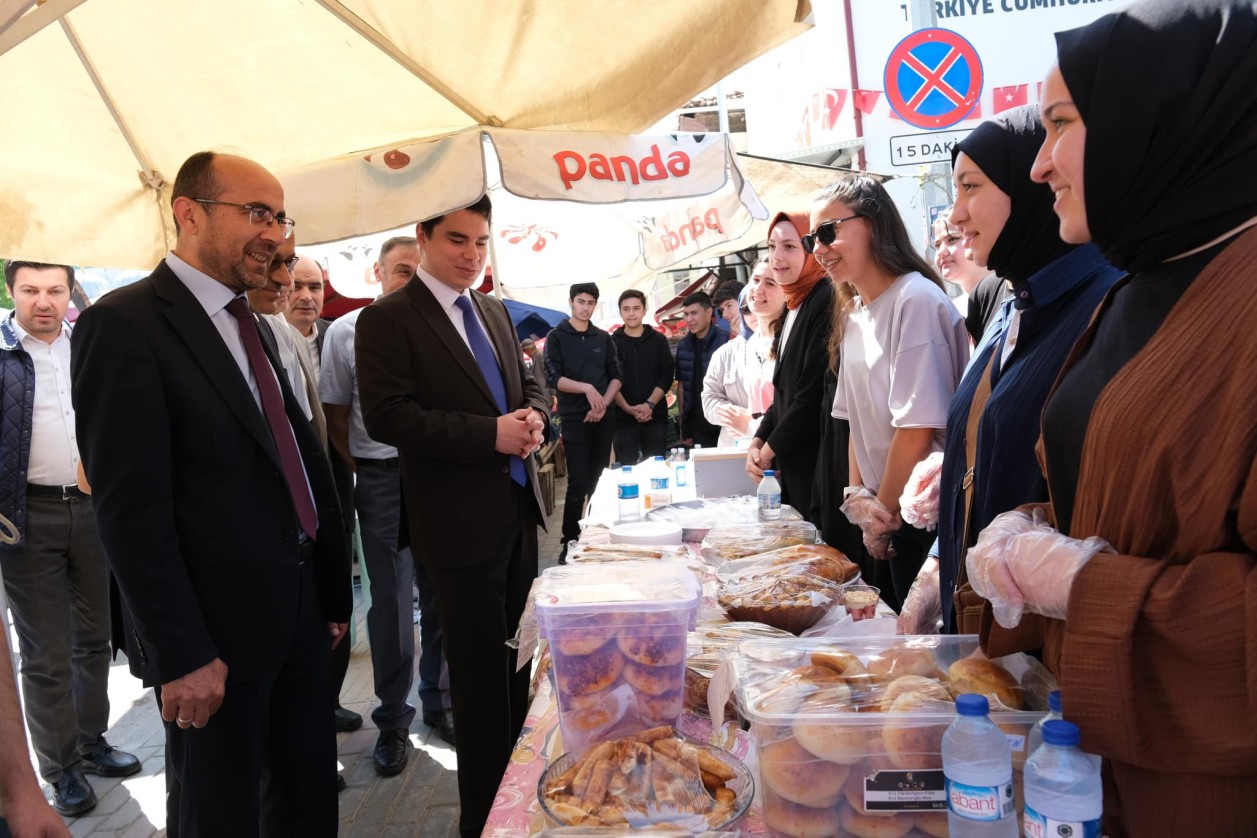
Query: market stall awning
105 98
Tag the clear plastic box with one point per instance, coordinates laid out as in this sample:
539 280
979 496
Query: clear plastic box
848 729
617 637
728 541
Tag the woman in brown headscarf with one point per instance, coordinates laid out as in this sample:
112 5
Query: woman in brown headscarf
796 436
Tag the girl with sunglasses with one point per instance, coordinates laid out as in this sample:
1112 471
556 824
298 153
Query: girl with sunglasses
738 387
903 347
789 435
1139 578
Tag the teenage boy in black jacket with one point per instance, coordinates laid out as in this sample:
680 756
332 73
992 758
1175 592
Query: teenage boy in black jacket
641 413
582 368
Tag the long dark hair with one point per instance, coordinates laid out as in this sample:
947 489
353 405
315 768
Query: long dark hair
889 245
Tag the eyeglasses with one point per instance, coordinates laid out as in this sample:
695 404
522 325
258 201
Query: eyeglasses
745 309
825 233
290 264
257 214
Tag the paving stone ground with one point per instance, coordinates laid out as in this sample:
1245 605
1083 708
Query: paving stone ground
421 801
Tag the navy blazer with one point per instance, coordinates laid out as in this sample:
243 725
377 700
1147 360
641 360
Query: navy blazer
195 516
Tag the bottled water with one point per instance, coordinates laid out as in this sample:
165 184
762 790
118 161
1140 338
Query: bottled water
660 491
769 496
978 773
1035 739
1063 791
626 492
680 468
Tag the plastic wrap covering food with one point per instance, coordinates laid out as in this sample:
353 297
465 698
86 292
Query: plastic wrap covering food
793 601
705 650
697 517
656 778
624 553
630 832
850 730
738 540
617 639
817 559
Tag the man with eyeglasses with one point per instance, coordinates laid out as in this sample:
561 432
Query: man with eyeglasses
218 515
269 304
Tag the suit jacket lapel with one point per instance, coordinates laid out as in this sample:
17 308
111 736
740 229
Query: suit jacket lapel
431 311
507 347
196 330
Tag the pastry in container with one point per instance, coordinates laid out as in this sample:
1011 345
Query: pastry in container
851 729
728 541
816 559
705 650
793 602
617 639
625 552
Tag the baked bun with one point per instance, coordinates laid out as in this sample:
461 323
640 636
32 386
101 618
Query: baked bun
653 680
798 776
840 661
786 818
667 650
872 826
585 674
661 708
931 823
584 641
912 684
912 743
984 677
853 789
898 661
845 743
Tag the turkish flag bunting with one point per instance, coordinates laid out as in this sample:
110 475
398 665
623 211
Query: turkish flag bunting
865 100
834 100
1010 97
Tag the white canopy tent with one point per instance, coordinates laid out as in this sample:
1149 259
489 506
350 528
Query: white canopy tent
105 98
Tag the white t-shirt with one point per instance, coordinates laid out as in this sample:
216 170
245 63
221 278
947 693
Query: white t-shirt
338 384
902 359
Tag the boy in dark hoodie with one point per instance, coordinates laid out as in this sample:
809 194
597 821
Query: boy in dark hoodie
582 368
641 413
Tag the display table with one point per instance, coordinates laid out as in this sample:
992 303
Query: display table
516 811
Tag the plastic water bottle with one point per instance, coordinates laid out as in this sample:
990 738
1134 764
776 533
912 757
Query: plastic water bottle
1035 739
978 773
628 497
660 492
1064 796
680 468
769 496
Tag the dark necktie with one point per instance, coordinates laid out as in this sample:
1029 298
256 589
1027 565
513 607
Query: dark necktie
276 418
489 368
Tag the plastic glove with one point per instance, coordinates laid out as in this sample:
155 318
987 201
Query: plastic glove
922 608
876 522
919 503
1020 564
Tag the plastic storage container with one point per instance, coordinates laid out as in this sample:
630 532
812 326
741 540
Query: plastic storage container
1064 795
617 637
849 730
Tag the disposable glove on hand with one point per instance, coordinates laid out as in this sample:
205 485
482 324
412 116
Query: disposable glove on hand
1020 564
875 521
919 503
922 608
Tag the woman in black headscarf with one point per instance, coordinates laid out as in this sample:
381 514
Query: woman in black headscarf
1140 577
1008 227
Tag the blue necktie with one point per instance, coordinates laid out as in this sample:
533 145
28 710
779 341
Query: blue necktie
489 368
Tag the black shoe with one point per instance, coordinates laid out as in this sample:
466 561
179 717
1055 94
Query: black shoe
72 795
347 720
390 752
563 553
442 721
340 783
107 761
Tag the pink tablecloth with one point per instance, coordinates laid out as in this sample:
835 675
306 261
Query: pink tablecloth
516 811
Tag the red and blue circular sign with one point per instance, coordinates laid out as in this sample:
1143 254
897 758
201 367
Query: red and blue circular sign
933 78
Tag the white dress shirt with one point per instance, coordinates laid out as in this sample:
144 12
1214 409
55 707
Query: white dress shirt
446 296
338 384
54 455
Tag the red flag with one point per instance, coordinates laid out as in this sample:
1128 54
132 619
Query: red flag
1038 92
866 100
1009 97
834 100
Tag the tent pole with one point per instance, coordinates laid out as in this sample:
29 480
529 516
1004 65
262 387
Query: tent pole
16 28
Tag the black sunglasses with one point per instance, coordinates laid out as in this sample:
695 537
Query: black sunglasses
825 233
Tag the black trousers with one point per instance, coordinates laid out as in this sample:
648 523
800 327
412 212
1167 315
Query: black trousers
640 441
264 765
587 446
480 607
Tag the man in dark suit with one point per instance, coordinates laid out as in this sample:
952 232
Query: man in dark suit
218 516
441 377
